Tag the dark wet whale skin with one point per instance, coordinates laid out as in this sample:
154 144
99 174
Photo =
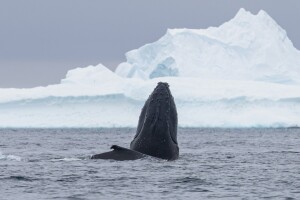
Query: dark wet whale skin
156 133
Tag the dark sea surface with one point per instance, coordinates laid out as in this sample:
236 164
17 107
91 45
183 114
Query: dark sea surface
213 164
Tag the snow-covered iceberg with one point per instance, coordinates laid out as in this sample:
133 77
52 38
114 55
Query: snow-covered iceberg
244 73
248 47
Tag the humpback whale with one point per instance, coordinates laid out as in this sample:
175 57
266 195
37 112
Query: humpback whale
156 133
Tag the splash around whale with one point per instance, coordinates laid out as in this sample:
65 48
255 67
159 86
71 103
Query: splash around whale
156 133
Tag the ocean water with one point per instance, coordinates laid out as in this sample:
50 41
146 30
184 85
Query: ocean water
213 164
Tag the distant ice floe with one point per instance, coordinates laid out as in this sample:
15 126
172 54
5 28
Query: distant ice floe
244 73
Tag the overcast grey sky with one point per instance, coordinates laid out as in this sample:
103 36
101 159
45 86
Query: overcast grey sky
41 40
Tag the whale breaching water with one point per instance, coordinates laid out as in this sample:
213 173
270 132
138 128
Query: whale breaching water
156 133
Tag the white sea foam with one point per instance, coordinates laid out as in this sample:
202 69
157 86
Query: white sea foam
9 157
67 159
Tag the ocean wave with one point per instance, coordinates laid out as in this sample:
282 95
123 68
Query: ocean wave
66 159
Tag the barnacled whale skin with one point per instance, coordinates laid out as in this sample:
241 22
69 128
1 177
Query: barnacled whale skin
156 133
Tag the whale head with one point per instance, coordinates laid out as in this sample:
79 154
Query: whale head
156 133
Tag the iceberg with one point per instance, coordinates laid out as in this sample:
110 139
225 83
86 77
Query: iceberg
244 73
248 47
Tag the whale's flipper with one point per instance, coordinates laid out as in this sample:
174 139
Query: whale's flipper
119 153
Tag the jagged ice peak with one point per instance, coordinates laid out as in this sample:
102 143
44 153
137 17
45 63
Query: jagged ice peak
247 47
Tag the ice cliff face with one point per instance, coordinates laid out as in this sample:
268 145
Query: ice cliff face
244 73
248 47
